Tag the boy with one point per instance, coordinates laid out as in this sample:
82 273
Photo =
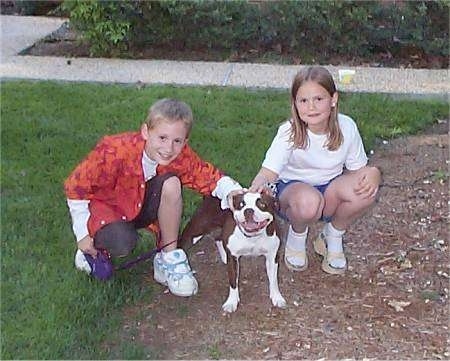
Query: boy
133 180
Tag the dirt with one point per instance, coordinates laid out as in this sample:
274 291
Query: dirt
66 42
391 304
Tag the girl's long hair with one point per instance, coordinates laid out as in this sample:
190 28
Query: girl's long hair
299 136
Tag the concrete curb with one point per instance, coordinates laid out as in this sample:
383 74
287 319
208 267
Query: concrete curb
20 32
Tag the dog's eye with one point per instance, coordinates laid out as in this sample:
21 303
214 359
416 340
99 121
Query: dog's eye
241 204
262 205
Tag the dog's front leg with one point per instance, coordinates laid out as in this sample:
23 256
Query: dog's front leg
272 274
222 252
232 301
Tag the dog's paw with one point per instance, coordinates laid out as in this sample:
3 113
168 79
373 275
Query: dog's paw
232 301
230 306
278 300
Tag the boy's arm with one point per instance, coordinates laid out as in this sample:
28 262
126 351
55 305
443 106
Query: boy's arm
79 211
95 172
203 177
224 187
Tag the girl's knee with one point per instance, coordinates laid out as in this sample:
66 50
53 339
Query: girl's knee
307 208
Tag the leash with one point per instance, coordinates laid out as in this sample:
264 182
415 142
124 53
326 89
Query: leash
143 257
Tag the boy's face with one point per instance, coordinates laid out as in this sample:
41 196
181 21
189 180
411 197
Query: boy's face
164 141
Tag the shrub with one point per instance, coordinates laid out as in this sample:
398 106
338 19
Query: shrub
105 24
304 27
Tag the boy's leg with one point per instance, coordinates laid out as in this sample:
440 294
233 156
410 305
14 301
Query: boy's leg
164 202
118 238
152 199
169 213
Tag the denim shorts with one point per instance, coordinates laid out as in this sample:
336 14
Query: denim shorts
280 187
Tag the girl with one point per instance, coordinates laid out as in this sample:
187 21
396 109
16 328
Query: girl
319 163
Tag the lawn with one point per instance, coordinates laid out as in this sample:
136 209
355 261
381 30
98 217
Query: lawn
50 311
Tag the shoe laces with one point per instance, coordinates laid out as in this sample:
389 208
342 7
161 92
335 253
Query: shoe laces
176 270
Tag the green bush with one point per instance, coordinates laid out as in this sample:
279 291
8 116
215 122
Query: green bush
300 27
105 24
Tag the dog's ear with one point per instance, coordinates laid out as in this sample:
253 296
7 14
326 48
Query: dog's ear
271 200
276 204
237 200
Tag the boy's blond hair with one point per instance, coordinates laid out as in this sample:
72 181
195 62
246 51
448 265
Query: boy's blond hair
171 110
299 136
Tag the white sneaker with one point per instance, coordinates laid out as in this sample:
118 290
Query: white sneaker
172 269
81 262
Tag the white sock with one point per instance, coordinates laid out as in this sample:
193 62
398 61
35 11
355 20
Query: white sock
334 243
173 256
297 242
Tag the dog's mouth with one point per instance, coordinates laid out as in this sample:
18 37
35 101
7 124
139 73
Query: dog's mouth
253 226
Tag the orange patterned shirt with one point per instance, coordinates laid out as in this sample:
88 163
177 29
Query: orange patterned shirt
112 179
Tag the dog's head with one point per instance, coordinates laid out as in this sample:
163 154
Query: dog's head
254 212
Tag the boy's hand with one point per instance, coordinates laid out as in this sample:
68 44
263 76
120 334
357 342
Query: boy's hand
86 245
369 180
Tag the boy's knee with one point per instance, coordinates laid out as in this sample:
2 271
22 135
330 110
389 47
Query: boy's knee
171 187
118 238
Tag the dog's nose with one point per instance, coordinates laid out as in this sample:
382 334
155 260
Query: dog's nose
248 214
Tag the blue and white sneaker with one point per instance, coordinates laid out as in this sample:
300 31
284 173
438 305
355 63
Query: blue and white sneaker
172 269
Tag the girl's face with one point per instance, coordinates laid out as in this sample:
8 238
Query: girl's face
164 141
314 104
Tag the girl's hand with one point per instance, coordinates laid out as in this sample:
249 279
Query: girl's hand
368 182
86 245
259 183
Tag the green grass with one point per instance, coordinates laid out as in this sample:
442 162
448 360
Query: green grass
49 311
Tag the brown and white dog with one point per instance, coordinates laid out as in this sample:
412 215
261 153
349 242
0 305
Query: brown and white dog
250 229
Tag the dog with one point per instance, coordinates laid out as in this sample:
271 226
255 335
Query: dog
249 229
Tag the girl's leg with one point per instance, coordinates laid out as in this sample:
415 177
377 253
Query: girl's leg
342 203
302 204
345 207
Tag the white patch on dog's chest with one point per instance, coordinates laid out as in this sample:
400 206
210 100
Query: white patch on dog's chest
241 245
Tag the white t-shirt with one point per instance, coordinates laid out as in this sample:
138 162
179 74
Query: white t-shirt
315 165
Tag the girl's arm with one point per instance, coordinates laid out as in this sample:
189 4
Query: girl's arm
276 157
